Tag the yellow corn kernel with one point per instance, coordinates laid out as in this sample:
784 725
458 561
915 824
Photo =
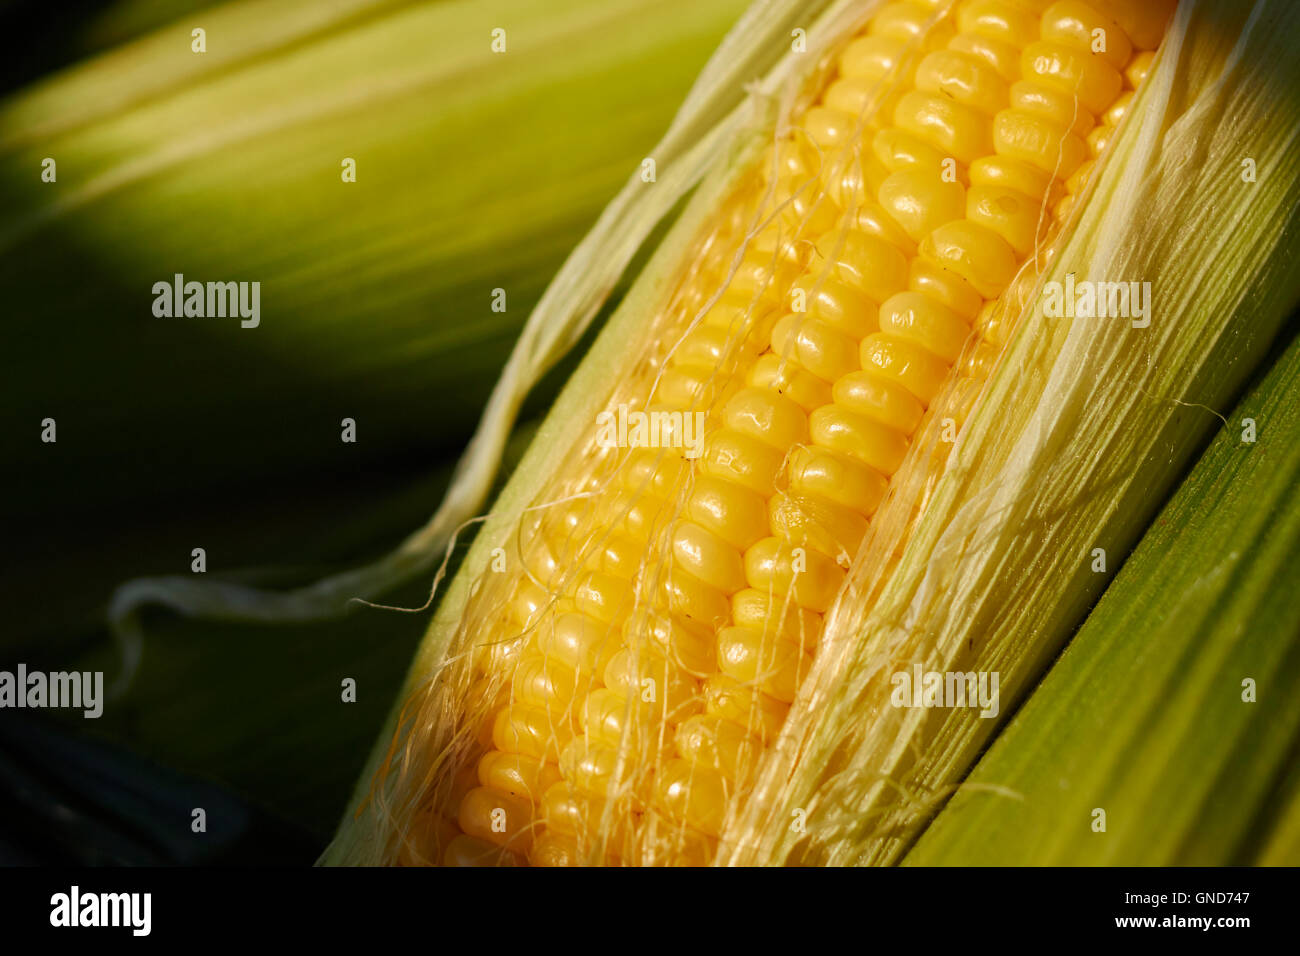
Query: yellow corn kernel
837 304
619 554
1073 72
579 641
975 253
850 180
604 597
518 775
801 387
693 795
1003 57
965 79
727 316
1005 173
868 264
879 399
1098 139
944 286
689 597
813 578
688 645
758 713
853 96
570 812
1060 109
555 849
777 615
1144 23
605 717
530 600
707 556
1076 24
828 474
767 416
496 818
1001 20
733 513
1118 110
952 128
816 523
897 149
1038 142
838 429
868 217
770 664
540 679
425 843
871 58
589 767
816 346
904 364
532 731
1138 68
901 20
934 327
667 690
806 213
829 128
920 202
719 745
1079 179
654 471
1016 218
746 461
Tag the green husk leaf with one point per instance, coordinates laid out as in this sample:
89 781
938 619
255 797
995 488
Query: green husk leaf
1147 715
1280 846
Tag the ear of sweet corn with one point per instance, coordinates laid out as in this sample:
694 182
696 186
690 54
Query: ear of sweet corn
1172 710
812 412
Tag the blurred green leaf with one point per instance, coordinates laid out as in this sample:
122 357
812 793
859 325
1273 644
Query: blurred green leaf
475 172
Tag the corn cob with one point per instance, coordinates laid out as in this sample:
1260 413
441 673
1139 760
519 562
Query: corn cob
619 688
